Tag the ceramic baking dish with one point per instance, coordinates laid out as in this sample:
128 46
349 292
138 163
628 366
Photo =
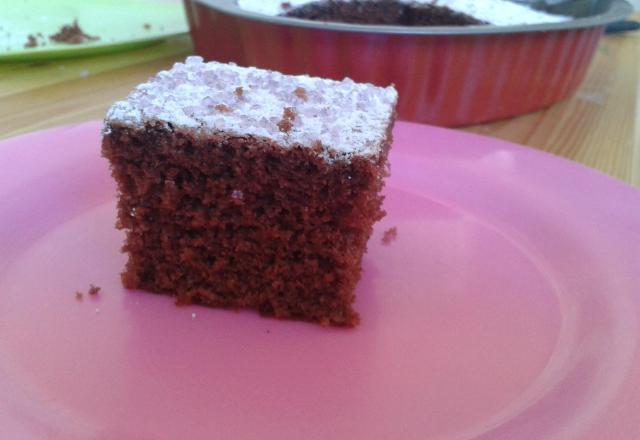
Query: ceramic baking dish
446 75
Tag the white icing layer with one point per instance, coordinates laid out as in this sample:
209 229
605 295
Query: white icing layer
346 117
495 12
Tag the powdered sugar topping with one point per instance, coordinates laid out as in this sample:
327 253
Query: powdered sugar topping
495 12
203 98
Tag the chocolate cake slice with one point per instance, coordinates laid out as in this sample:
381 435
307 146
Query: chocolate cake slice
241 187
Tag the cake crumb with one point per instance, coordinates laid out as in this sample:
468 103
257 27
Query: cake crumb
222 108
289 113
72 34
286 123
31 42
193 316
146 26
389 235
94 290
79 296
317 147
239 92
301 93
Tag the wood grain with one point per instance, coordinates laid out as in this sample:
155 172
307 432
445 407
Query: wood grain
41 95
599 126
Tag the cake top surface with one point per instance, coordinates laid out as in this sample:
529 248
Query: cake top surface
495 12
204 98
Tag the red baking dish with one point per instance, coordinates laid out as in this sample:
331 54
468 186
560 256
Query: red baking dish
448 76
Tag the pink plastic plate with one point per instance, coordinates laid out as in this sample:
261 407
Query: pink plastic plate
508 307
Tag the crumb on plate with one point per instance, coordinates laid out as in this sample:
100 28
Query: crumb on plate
72 34
31 42
389 235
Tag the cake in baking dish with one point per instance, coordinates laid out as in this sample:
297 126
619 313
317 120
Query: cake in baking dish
406 12
240 187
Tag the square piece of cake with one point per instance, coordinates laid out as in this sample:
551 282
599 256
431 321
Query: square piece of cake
240 187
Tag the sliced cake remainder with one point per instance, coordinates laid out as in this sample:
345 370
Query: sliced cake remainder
406 12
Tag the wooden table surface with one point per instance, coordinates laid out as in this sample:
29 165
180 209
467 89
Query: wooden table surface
599 126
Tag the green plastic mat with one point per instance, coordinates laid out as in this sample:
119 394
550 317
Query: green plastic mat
119 24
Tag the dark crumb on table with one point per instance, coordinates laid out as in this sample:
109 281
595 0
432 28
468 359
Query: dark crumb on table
72 34
79 296
222 108
301 93
239 92
389 235
146 26
288 116
31 42
93 290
